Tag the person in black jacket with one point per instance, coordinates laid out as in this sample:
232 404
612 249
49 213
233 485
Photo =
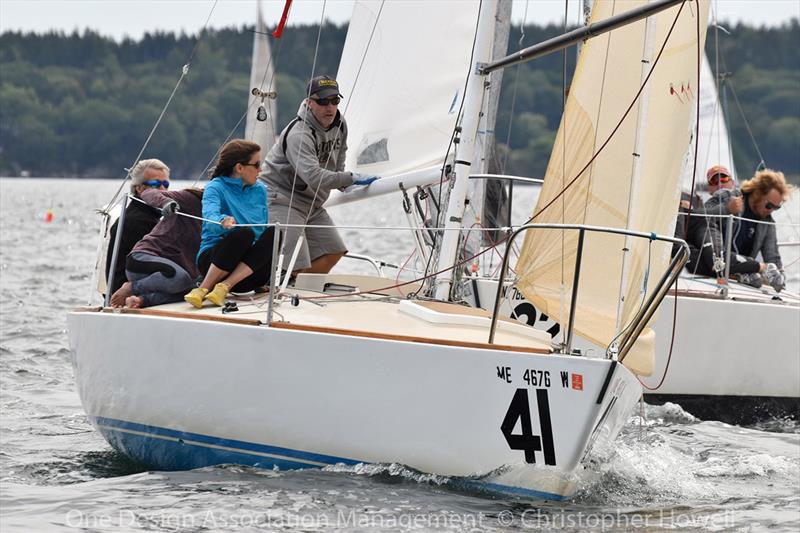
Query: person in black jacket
693 227
140 219
754 232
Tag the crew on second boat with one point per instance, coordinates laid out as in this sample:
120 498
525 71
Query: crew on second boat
754 230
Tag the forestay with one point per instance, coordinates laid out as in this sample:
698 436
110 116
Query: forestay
404 81
616 190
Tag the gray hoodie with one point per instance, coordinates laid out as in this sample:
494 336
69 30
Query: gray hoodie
316 154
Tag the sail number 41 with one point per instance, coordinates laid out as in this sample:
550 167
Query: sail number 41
520 410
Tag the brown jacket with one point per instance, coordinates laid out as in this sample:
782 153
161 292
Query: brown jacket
175 237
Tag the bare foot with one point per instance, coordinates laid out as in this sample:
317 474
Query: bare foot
134 302
118 298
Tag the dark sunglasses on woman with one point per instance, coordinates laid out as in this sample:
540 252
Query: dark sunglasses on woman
157 183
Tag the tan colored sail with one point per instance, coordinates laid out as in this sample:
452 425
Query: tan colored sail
612 192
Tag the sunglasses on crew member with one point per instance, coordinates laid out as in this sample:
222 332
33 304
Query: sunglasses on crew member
772 207
716 178
256 165
333 100
157 183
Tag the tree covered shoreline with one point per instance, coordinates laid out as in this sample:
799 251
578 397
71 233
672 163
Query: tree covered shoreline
81 105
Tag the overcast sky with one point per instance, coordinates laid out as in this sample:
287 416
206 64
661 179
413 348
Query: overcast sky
117 18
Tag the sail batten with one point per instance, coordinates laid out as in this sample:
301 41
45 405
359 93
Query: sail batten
632 183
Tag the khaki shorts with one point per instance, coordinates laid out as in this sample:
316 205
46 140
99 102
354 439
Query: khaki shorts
317 241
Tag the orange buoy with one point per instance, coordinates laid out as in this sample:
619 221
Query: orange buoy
48 217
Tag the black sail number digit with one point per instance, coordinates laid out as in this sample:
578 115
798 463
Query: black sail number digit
519 409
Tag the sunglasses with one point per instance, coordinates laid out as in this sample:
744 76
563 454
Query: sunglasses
157 183
333 100
256 165
715 179
772 207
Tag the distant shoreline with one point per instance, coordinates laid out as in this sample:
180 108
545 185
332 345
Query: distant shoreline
725 23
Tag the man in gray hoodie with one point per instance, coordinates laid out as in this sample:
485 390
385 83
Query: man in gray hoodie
301 169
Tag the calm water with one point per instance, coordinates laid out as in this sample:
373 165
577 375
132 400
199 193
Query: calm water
669 471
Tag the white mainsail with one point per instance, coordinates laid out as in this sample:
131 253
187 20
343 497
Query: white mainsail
713 147
261 129
402 75
616 190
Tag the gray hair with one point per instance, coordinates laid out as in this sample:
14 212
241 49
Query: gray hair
137 172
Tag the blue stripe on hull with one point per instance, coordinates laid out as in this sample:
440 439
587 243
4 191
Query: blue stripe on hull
168 449
517 491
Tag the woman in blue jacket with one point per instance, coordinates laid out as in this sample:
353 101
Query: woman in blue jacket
234 258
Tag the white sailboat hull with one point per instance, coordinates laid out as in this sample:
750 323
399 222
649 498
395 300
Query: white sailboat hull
735 360
180 393
721 350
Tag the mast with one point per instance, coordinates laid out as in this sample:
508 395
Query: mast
473 96
484 195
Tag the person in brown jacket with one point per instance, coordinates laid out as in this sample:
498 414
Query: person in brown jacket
161 267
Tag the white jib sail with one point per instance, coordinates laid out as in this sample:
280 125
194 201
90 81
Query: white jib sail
402 75
262 76
613 191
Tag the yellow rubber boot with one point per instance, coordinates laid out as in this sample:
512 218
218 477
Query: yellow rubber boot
217 296
196 296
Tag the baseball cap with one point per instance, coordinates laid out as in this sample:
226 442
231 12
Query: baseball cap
323 87
717 170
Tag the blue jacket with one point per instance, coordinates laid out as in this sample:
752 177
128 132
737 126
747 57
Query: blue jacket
224 197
